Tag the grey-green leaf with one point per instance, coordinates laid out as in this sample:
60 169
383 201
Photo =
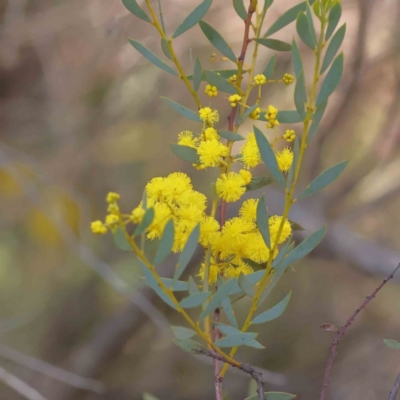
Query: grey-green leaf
300 95
285 19
245 285
182 333
235 137
274 312
303 30
120 240
259 182
334 17
227 306
316 118
262 221
275 44
248 112
268 156
333 47
230 330
296 59
274 396
221 83
179 286
182 110
296 149
188 345
323 180
186 153
286 117
270 68
331 80
145 52
148 396
311 23
193 18
217 40
193 289
146 222
240 9
197 74
238 339
165 48
135 9
393 344
195 300
166 243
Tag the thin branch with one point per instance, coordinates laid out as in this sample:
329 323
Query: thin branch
341 331
217 379
394 391
19 386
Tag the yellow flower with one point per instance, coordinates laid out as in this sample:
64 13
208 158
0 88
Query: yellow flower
274 224
176 184
137 214
250 155
288 79
255 114
186 138
232 79
112 197
208 115
211 91
98 227
271 115
211 151
256 249
112 221
230 187
246 175
155 189
260 79
113 208
284 159
211 133
209 229
234 99
248 210
234 272
162 214
289 135
213 272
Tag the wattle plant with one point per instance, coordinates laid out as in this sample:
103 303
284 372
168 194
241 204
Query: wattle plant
245 255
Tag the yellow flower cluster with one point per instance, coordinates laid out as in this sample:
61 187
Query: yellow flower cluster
231 186
112 218
255 114
234 99
260 79
211 151
289 135
232 79
271 115
211 91
250 154
288 79
186 138
284 159
209 116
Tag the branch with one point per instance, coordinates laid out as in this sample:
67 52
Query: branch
393 393
341 331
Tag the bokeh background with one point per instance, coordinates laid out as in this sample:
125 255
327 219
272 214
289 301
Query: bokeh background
80 115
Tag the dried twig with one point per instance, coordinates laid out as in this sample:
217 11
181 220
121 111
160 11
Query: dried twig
394 391
341 331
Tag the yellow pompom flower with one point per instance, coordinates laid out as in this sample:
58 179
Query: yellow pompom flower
271 115
230 187
211 91
255 114
211 151
137 214
250 154
256 249
234 272
98 227
260 79
246 175
112 221
288 79
213 272
274 224
113 208
208 115
209 229
284 159
248 210
232 79
162 214
155 189
289 135
112 197
211 134
186 138
175 185
234 99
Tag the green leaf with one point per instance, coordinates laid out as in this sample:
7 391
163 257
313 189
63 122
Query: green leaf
262 221
217 40
253 278
231 136
182 110
188 345
220 294
240 9
227 306
333 47
334 17
285 117
148 396
303 30
230 330
224 73
179 286
221 83
186 153
259 182
305 247
273 312
145 52
270 68
197 74
195 300
187 252
311 23
182 333
160 12
166 243
275 44
300 95
245 285
120 240
296 59
296 149
316 118
135 9
146 222
238 339
193 18
248 112
296 226
323 180
268 156
193 289
331 80
151 282
285 19
393 344
274 396
165 48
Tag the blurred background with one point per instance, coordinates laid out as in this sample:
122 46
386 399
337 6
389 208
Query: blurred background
80 115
